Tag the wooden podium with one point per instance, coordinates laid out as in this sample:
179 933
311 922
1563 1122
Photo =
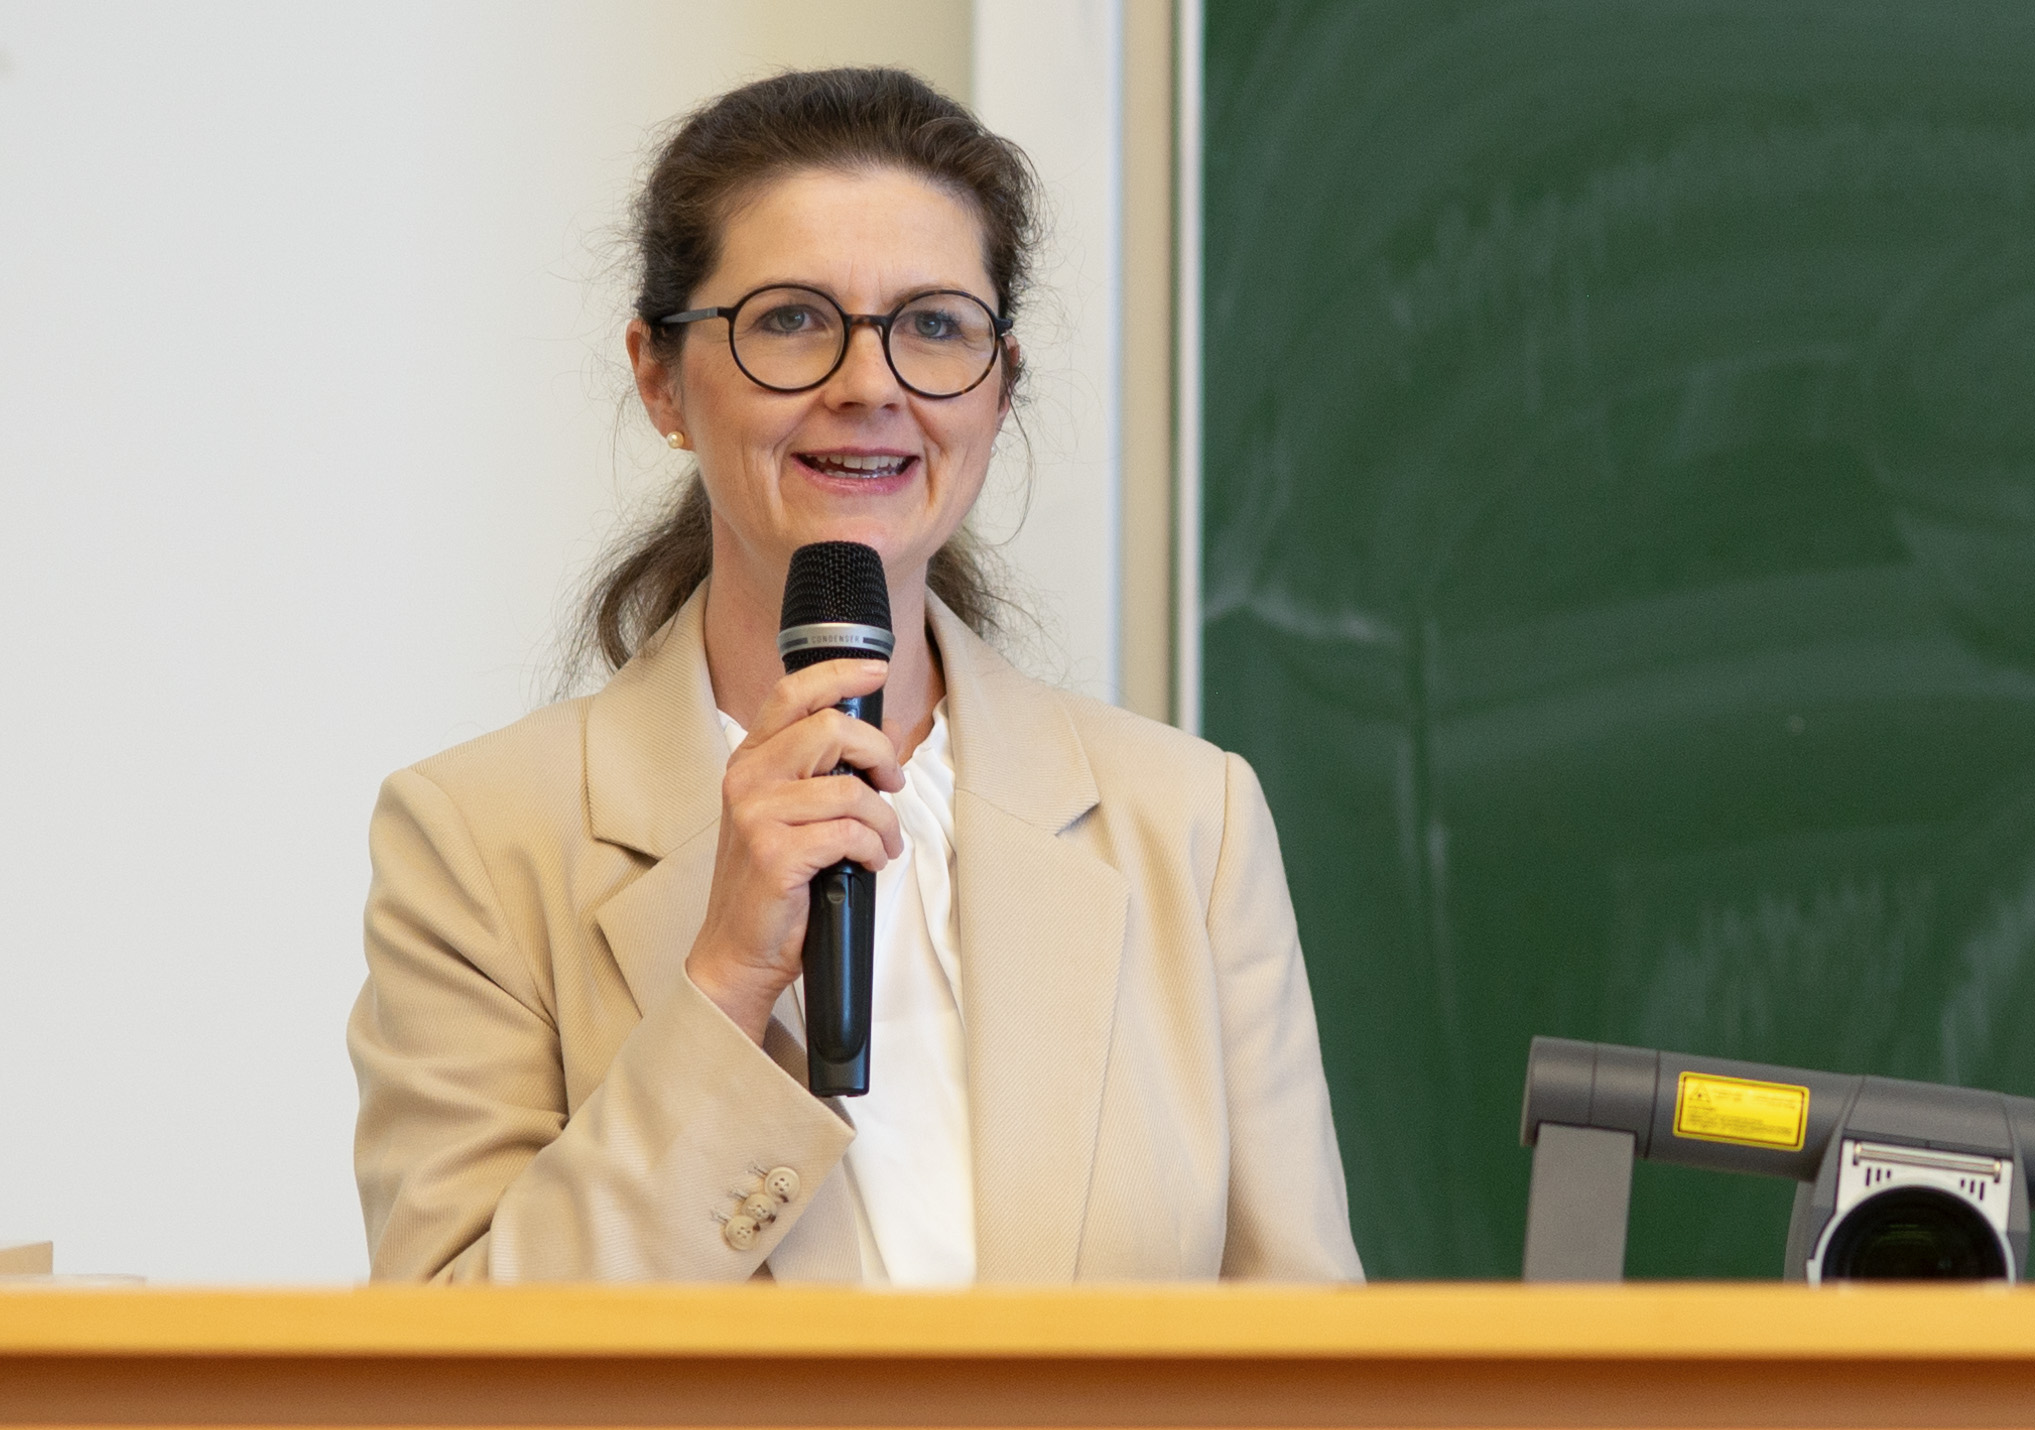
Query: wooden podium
1428 1355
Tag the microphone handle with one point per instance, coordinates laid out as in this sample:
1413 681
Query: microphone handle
840 958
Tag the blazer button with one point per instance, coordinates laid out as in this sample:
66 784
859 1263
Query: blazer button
760 1208
782 1183
740 1231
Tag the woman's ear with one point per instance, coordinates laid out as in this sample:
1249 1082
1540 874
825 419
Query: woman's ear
1013 364
657 385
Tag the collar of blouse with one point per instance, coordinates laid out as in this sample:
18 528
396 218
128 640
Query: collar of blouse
655 755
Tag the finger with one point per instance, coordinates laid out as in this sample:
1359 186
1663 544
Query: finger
828 799
816 687
845 839
796 852
817 745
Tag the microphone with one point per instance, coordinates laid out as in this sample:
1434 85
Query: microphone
837 607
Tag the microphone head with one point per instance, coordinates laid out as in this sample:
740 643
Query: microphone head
836 605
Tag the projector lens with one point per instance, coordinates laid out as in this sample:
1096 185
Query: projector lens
1914 1234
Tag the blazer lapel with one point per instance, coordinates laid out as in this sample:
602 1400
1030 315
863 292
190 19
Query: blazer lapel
651 924
654 759
1041 922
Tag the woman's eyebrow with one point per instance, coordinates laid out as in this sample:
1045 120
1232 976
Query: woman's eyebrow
896 296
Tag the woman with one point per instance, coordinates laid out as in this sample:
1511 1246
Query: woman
1094 1053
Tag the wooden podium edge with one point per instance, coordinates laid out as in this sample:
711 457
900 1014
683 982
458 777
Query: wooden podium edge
1422 1321
1393 1355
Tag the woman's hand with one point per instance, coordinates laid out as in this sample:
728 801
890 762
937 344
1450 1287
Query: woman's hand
784 818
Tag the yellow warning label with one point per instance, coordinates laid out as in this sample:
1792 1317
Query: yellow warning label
1736 1109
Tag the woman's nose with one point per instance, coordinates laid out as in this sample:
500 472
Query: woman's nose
864 375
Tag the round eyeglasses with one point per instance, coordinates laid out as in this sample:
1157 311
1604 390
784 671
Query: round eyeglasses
792 339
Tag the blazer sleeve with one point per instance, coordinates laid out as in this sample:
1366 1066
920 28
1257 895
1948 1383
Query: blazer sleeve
469 1165
1288 1207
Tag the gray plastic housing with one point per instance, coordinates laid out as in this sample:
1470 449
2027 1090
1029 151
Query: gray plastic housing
1633 1090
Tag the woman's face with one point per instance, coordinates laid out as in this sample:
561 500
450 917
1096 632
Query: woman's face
858 458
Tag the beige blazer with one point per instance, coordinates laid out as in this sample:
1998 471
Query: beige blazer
545 1095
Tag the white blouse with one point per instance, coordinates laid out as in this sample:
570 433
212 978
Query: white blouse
910 1168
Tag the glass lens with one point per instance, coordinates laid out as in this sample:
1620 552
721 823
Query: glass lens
788 337
1913 1234
943 343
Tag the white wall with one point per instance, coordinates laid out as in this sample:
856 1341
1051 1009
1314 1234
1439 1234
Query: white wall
1049 74
308 417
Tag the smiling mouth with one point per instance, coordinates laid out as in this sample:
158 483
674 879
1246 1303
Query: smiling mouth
871 468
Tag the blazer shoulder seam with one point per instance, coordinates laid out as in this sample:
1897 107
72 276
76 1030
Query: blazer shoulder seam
1223 851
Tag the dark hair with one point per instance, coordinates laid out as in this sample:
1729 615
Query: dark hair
721 153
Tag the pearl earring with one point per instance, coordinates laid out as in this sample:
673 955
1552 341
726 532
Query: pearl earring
674 440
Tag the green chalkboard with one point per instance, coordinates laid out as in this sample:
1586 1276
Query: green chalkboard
1619 561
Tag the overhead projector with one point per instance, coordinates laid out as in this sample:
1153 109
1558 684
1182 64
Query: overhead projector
1897 1180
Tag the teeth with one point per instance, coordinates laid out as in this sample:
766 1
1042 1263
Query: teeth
860 466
